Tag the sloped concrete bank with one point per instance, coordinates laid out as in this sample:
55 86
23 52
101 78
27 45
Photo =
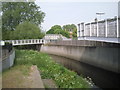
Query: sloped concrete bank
103 57
101 63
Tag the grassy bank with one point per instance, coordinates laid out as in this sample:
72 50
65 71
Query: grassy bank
63 77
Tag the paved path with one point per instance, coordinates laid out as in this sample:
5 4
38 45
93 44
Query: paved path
36 78
22 76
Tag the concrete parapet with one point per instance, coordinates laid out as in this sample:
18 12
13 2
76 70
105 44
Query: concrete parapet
87 43
7 61
99 54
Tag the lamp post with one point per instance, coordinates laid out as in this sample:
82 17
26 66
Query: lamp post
100 13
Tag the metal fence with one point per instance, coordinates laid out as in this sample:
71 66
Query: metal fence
25 42
103 28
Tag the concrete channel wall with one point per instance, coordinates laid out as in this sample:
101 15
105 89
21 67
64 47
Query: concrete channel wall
99 54
7 61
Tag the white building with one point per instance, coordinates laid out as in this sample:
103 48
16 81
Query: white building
54 37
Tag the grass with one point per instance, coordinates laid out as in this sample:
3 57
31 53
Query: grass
63 77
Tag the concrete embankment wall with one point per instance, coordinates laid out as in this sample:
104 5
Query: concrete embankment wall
7 61
106 56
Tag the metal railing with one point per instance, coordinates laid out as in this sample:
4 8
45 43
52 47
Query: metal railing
25 42
103 28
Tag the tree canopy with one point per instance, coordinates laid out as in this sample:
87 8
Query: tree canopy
57 29
70 27
27 30
65 30
15 13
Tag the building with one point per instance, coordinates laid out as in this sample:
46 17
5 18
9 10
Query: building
54 37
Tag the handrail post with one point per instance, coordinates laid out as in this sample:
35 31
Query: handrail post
97 29
106 33
90 29
117 27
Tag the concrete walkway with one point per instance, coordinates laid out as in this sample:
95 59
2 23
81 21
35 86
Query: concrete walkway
36 78
22 76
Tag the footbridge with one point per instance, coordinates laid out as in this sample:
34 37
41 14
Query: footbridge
25 42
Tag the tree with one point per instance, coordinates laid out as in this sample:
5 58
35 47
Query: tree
53 29
15 13
74 33
71 28
56 29
27 30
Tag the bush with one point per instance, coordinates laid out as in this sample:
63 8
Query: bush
27 30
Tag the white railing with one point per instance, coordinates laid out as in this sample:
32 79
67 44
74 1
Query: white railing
107 30
25 42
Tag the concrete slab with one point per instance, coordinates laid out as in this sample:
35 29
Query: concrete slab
22 76
36 78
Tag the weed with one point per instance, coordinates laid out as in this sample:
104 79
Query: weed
63 77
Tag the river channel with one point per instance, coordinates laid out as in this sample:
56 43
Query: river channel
100 77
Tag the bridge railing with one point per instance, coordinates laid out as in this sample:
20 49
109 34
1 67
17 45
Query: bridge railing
25 41
104 29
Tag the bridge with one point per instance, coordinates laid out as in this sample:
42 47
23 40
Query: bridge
107 30
25 42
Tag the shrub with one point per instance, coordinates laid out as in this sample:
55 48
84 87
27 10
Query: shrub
27 30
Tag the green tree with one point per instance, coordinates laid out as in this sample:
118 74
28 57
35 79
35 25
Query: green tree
53 29
27 30
57 29
15 13
71 28
74 33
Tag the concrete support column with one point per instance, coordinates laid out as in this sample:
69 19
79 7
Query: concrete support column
106 33
40 40
83 29
90 29
24 41
20 41
97 29
16 41
13 42
78 31
118 28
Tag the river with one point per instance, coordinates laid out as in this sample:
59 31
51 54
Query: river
100 77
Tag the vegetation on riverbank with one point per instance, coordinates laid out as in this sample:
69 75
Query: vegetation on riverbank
63 77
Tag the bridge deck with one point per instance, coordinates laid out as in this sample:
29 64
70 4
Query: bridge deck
25 42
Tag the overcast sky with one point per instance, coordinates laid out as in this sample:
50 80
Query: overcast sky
62 13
